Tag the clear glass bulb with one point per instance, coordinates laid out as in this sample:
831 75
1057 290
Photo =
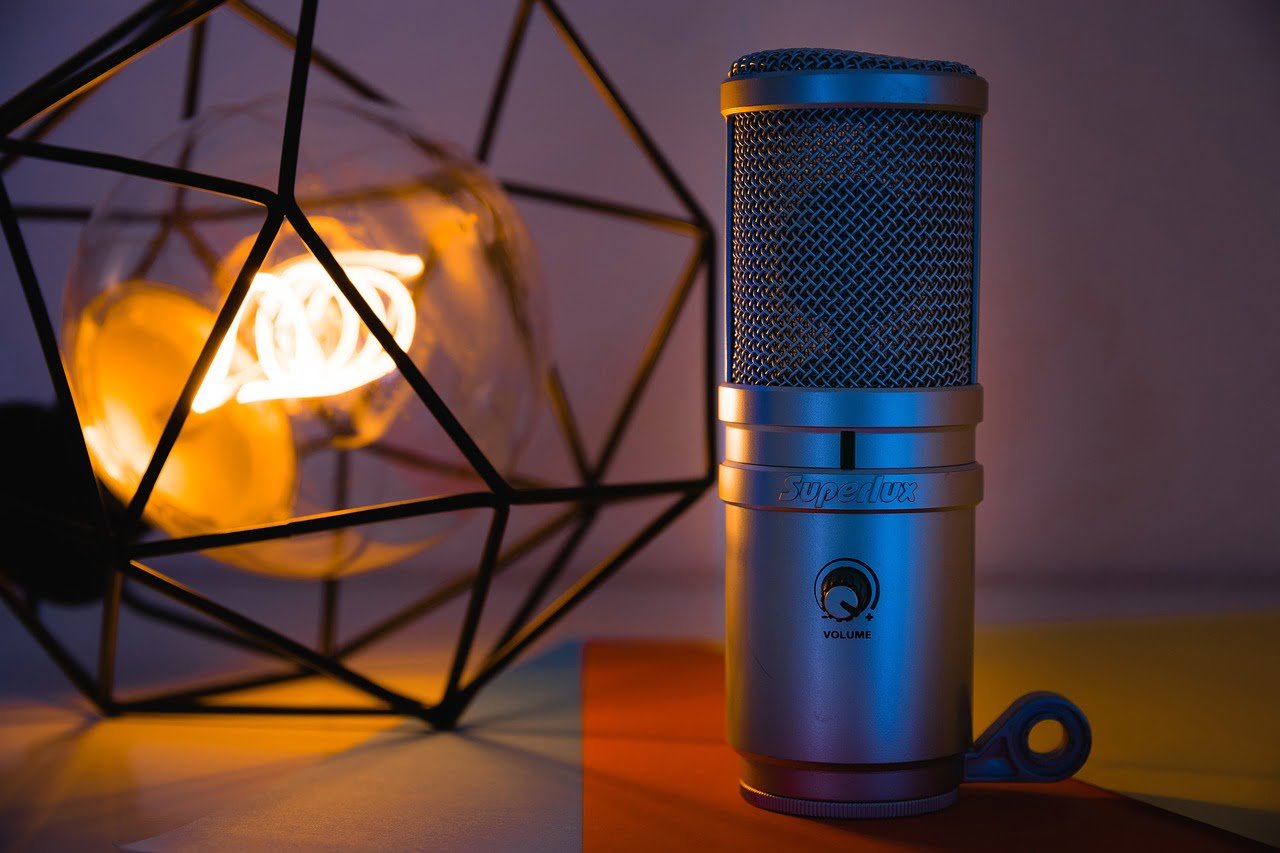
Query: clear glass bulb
302 411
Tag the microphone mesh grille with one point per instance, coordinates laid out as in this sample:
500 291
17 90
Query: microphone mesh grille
852 247
828 59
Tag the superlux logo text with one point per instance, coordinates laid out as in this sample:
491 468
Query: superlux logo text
860 490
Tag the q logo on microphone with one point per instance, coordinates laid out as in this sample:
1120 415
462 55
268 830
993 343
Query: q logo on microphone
846 589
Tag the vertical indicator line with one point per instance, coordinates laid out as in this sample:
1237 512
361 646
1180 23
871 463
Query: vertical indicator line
848 449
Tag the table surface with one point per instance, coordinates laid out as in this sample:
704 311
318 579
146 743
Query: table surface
1182 710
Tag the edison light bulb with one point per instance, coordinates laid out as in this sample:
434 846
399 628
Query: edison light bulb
301 410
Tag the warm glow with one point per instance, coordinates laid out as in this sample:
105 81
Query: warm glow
133 350
307 340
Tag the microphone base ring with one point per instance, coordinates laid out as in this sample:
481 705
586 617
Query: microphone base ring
850 791
845 810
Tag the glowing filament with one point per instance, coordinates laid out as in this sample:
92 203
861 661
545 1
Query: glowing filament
308 340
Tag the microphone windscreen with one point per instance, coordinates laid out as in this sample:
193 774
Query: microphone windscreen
852 235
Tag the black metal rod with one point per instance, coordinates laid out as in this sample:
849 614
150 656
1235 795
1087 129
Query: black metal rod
504 655
199 248
330 586
297 99
567 423
155 245
606 89
219 688
23 108
475 609
87 53
603 493
532 192
71 668
323 61
498 99
142 169
649 360
221 325
195 69
283 646
160 613
440 595
423 462
609 493
555 567
319 523
454 587
53 212
328 614
599 205
457 434
108 631
44 126
48 339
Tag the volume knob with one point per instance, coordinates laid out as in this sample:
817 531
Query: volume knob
845 594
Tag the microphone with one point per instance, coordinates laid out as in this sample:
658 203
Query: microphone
849 479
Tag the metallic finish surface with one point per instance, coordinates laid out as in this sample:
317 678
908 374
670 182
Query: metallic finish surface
850 481
827 490
802 686
914 449
790 90
829 448
838 810
850 408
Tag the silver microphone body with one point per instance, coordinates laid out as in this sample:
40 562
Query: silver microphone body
849 478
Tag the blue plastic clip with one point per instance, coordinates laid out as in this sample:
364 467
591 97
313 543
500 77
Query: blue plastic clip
1003 752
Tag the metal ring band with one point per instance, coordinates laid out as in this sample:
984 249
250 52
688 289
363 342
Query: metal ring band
838 810
792 447
850 408
793 90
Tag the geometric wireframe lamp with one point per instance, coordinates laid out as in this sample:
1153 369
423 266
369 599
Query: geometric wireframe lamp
301 411
366 298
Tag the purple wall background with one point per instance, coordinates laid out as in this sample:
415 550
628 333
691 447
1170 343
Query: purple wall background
1130 297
